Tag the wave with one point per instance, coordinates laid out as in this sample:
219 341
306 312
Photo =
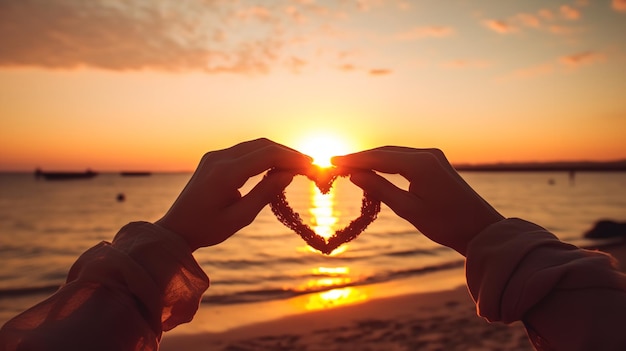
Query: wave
365 254
280 294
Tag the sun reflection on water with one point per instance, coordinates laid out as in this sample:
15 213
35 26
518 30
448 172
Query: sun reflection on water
323 216
334 298
322 211
323 222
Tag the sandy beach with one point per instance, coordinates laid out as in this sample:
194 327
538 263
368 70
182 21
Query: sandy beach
443 320
436 320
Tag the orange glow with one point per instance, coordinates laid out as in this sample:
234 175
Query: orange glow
323 217
332 276
315 284
322 213
326 93
335 298
322 147
331 270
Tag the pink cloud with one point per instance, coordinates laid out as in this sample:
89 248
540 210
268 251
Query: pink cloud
255 12
500 26
569 12
347 67
544 20
529 20
426 32
546 14
133 36
379 72
296 64
582 58
619 5
211 36
295 14
563 64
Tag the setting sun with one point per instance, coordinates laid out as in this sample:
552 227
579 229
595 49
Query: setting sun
322 147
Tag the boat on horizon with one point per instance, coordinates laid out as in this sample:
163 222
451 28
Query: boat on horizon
88 174
135 173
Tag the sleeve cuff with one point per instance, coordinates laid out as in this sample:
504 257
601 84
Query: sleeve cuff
513 264
154 265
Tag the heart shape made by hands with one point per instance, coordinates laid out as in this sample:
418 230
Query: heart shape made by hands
324 179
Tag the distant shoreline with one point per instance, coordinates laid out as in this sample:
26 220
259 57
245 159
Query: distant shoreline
583 166
555 166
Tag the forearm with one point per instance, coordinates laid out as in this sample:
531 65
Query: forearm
518 271
120 295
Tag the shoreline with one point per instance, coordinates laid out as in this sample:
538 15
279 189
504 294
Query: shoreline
436 320
431 312
222 318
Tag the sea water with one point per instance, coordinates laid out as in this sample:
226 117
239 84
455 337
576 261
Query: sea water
46 225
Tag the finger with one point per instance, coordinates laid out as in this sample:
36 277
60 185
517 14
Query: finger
437 153
402 202
271 156
242 149
236 172
248 207
383 161
246 147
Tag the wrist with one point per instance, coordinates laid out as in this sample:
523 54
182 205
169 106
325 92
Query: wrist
179 230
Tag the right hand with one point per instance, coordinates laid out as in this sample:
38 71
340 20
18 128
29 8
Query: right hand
439 203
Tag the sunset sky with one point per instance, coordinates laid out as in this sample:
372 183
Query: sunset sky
152 85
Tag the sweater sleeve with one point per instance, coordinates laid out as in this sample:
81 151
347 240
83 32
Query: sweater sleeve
568 298
118 296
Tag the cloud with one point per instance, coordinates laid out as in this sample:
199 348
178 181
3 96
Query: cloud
379 72
296 64
213 36
582 58
545 20
529 20
546 14
255 12
562 64
569 12
425 32
500 26
347 67
295 14
131 35
619 5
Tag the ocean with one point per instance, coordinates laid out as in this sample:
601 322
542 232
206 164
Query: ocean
46 225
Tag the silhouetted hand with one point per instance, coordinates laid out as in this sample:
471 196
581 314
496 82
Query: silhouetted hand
439 203
210 209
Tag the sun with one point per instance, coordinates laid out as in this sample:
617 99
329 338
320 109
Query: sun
322 147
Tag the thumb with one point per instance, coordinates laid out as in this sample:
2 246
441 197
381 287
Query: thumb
400 201
249 206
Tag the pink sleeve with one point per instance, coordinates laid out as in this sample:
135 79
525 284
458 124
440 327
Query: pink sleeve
118 296
568 298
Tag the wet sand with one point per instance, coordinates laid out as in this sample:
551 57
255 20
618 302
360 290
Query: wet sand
443 320
438 320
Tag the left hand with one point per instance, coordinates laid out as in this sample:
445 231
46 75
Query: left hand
211 209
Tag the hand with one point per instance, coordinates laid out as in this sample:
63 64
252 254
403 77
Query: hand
210 208
439 203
